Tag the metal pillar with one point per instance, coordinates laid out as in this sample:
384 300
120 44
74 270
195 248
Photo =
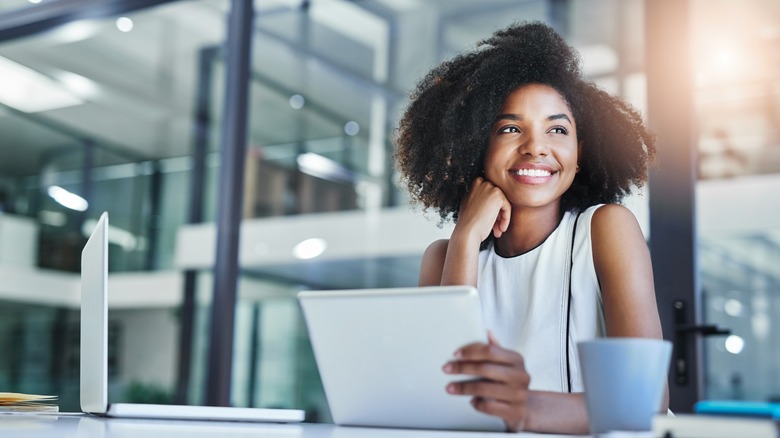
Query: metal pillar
206 59
672 187
232 153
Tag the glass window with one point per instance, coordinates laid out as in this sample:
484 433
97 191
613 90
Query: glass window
98 115
736 98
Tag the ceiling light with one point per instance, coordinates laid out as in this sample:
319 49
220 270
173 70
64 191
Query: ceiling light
35 2
30 91
297 101
79 85
323 167
351 128
309 248
68 199
74 31
124 24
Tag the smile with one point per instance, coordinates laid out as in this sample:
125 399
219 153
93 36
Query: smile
538 173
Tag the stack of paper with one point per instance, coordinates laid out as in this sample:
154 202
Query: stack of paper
713 426
15 402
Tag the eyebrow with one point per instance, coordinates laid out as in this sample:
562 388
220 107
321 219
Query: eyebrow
518 117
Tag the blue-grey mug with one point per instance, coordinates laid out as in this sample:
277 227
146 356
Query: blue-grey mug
625 380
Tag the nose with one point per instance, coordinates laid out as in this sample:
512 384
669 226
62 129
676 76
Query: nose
534 145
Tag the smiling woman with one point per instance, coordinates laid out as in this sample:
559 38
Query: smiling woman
529 160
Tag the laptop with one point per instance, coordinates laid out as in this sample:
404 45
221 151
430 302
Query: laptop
380 354
94 348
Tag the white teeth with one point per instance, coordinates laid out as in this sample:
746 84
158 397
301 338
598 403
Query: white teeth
533 172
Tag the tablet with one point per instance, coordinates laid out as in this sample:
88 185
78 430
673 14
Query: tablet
380 354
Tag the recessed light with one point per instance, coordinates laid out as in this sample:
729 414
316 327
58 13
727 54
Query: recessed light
124 24
30 91
68 199
309 248
351 128
297 101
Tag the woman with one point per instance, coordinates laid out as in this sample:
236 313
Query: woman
530 161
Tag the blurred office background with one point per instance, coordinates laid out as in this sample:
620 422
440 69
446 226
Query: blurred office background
117 113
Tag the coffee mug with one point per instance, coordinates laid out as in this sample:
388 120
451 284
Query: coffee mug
624 380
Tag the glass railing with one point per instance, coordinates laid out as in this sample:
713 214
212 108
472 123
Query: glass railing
148 201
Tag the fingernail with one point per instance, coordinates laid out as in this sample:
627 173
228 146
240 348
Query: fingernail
451 388
457 354
447 367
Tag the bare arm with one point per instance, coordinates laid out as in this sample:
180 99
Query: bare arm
455 261
555 412
622 262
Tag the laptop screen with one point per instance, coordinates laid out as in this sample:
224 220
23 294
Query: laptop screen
94 320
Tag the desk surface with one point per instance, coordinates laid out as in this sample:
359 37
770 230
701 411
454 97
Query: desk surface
86 426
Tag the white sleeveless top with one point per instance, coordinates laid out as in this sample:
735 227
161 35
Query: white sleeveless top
525 302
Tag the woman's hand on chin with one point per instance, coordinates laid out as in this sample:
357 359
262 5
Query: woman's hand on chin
484 209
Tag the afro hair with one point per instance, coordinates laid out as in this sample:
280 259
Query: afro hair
443 134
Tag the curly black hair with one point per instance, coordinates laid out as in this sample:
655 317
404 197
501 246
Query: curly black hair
443 135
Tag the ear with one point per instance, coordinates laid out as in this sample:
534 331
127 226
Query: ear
579 155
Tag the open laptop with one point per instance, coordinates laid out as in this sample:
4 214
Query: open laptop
380 354
94 349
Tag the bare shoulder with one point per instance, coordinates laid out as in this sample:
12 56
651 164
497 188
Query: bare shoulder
612 217
613 223
616 236
437 248
433 258
433 263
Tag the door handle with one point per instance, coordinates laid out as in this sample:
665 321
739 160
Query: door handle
682 332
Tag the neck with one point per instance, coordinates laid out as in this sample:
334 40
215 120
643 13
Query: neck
528 228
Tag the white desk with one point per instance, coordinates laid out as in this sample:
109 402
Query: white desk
85 426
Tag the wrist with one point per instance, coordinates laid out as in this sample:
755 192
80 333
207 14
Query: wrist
531 403
463 235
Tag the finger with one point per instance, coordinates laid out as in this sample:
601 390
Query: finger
497 232
489 353
504 215
487 389
492 339
511 375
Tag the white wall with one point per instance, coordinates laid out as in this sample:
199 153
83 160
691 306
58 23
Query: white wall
18 240
348 235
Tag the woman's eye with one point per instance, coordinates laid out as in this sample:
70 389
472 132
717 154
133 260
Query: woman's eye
559 130
509 129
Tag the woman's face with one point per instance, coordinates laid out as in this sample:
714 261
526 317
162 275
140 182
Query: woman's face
533 151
